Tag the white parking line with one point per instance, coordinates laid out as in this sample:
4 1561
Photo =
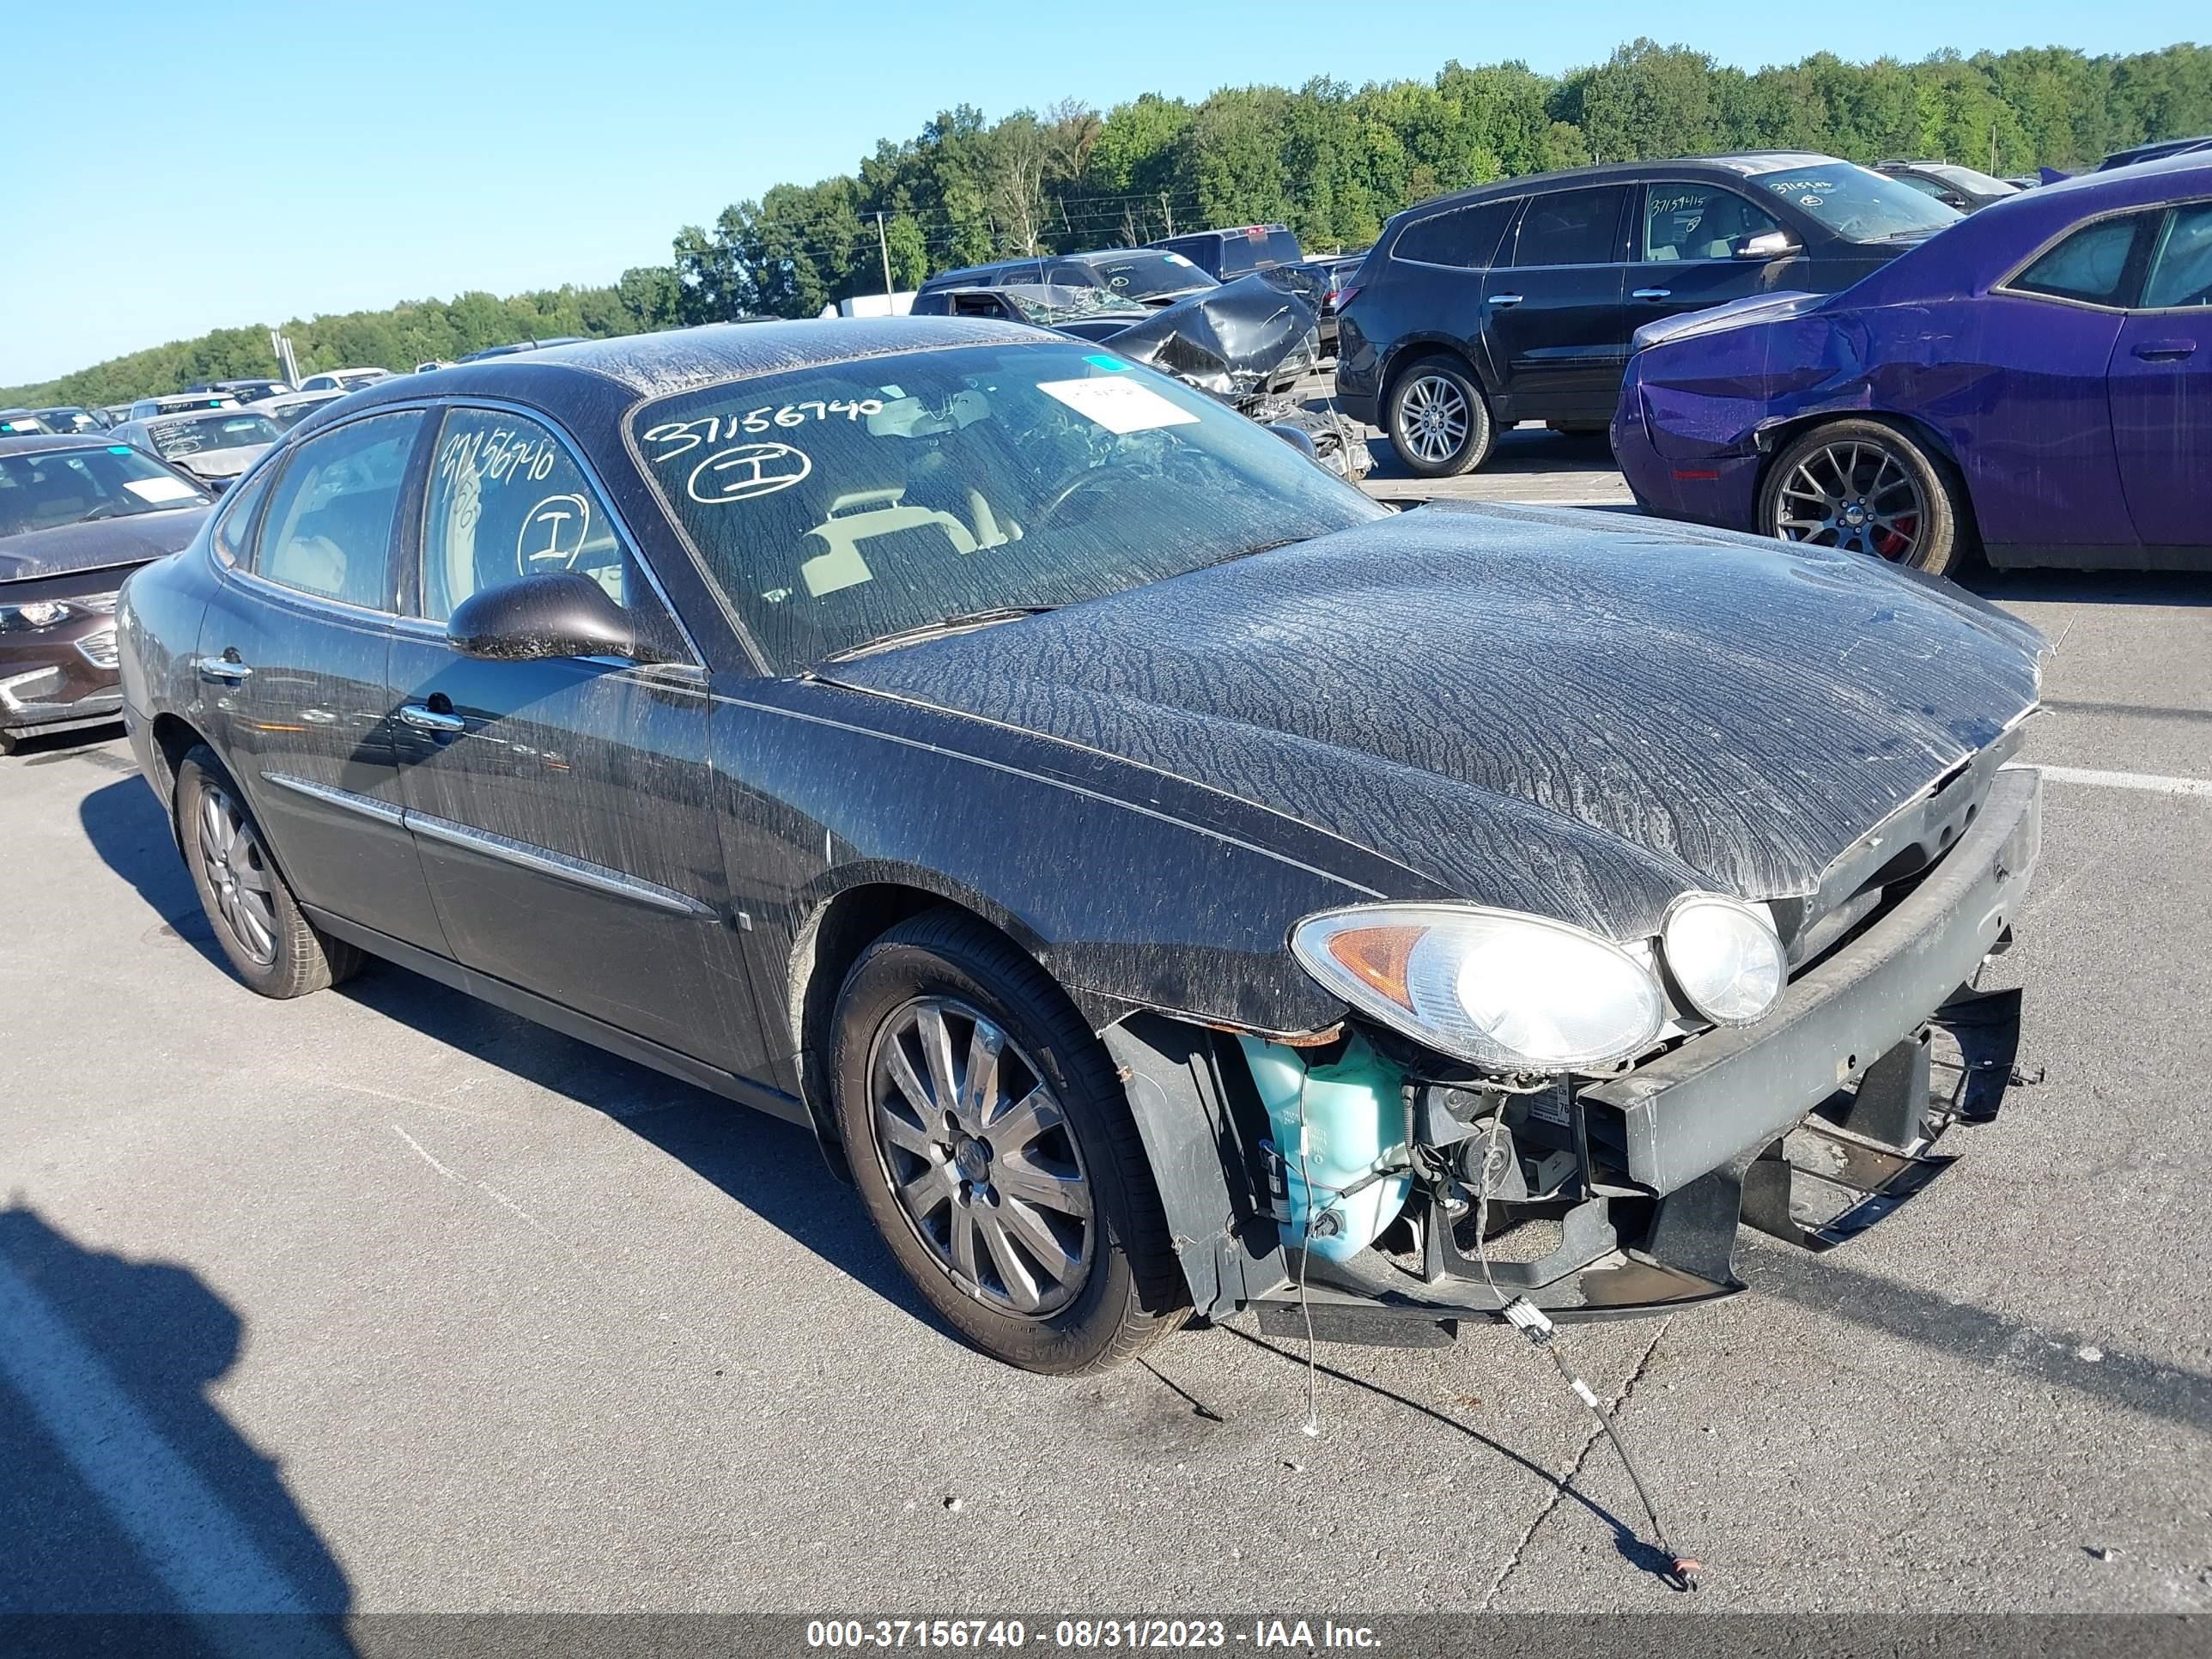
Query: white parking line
200 1550
2150 782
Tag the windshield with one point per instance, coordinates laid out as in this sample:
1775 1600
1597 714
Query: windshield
24 425
196 435
1859 204
68 420
836 506
287 415
1046 304
1145 273
1973 183
355 381
47 488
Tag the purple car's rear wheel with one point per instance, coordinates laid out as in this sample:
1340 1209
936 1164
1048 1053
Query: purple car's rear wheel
1866 488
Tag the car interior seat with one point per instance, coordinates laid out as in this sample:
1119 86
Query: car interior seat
880 517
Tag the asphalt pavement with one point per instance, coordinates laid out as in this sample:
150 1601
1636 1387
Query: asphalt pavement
382 1300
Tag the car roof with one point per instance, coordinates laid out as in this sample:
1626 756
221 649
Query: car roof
685 359
32 442
1741 164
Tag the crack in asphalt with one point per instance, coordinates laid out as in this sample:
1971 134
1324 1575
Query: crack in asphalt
1565 1484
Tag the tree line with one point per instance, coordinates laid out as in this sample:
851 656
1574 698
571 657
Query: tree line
1330 160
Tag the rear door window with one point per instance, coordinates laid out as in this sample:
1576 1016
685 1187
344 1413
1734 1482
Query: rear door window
1283 247
1465 236
1571 227
328 527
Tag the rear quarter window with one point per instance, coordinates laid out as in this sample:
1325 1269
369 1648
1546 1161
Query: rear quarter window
2095 265
1465 236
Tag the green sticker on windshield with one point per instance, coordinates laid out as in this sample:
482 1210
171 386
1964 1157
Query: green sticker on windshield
119 449
1115 363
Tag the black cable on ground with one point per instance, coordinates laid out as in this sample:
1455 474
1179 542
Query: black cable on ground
1529 1319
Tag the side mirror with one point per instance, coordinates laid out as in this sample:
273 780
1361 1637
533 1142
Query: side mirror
1298 438
1771 244
559 614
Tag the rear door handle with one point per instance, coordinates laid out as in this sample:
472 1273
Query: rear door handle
2164 351
225 667
1505 299
1652 293
430 720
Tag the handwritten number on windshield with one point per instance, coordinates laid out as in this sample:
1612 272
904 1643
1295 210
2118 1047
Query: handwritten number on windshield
675 437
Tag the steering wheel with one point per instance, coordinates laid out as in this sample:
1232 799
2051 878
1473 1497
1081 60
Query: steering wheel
1091 480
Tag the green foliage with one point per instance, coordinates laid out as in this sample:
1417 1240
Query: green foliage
1332 162
414 332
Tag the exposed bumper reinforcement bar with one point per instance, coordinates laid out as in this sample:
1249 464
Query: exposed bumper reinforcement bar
1809 1126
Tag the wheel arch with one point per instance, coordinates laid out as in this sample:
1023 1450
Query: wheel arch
173 738
1415 348
837 927
1778 436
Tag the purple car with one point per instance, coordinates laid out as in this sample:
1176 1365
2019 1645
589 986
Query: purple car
2037 379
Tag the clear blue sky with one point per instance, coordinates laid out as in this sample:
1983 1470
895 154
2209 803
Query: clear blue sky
176 168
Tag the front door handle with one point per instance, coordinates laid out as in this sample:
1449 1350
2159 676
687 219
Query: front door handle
1652 293
2164 351
227 668
430 720
1505 299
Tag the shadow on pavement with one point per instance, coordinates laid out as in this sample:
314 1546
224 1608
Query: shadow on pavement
126 825
2088 586
1986 1339
126 1490
775 1168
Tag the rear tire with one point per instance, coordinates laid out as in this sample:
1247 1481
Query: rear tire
1867 488
271 944
1006 1174
1438 420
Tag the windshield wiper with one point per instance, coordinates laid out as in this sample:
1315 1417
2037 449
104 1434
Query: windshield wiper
1256 548
951 624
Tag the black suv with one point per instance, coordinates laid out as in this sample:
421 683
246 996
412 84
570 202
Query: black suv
1148 275
1515 302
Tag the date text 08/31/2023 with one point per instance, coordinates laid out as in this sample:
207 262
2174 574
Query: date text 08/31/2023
1083 1635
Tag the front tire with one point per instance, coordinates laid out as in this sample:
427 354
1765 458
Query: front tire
1438 420
993 1147
271 944
1866 488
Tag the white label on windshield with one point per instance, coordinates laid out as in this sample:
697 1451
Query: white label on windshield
1117 403
161 489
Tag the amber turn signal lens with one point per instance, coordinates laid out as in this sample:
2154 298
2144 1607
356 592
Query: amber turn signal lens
1377 956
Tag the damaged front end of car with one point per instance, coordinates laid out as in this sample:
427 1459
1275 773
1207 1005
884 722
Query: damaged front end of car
1592 1139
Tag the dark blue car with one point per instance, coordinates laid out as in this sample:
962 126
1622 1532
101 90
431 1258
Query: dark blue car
2037 379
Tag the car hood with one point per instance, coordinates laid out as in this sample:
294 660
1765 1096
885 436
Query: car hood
133 540
1578 715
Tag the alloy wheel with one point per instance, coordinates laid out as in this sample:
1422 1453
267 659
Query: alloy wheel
1433 419
979 1155
1854 495
238 873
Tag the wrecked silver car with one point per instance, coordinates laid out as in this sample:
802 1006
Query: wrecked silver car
1167 882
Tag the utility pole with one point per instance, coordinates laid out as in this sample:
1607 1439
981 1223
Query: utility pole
883 247
1167 210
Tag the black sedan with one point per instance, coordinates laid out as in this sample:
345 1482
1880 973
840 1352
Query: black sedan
1166 880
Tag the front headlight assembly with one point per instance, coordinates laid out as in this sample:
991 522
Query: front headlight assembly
1497 988
38 613
1725 956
